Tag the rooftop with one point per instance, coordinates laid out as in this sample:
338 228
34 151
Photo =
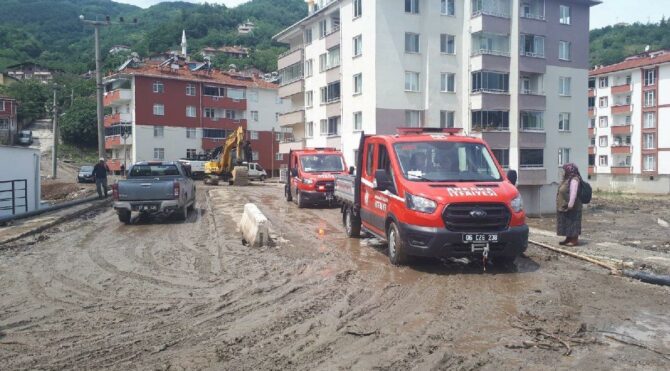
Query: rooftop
635 61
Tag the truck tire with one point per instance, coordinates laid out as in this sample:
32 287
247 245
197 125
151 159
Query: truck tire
182 213
396 246
124 216
352 223
300 200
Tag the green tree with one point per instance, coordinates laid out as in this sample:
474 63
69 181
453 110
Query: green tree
32 96
79 123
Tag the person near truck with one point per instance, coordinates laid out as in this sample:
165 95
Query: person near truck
100 171
569 206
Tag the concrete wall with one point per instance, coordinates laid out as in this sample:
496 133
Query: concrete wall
24 164
631 183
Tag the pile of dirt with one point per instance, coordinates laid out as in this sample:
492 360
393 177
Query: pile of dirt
62 191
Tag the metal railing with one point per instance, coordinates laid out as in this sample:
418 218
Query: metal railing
291 51
13 195
478 52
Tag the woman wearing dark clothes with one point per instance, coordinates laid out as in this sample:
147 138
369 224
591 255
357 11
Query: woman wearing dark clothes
569 207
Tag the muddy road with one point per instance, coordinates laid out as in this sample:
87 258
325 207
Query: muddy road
158 294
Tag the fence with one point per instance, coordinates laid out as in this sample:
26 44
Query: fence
11 195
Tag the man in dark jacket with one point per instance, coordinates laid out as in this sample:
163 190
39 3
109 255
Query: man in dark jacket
100 171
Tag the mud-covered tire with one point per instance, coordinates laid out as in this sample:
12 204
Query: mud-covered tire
124 216
287 194
396 246
300 200
181 214
262 178
352 223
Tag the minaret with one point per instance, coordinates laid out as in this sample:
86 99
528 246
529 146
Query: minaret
184 44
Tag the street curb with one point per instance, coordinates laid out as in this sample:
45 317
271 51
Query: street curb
58 221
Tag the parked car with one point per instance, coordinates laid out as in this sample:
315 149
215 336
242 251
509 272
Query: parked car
85 174
256 172
155 188
26 137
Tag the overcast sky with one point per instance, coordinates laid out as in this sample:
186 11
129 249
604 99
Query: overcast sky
607 13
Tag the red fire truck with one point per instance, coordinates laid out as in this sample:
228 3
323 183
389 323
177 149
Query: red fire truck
311 175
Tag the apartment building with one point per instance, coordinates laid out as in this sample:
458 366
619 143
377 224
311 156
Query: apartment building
171 111
8 120
629 121
500 69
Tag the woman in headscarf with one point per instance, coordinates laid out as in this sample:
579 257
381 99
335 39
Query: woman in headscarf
569 206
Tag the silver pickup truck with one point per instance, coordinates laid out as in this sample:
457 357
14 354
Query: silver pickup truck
153 188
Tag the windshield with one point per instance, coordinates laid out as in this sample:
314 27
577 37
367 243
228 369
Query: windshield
321 163
86 168
442 161
153 170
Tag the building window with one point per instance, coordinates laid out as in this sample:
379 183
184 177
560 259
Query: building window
649 77
564 121
330 127
593 141
333 57
490 82
531 158
190 90
2 105
279 157
602 160
532 45
602 141
648 141
158 87
230 114
649 120
603 122
4 124
190 133
413 118
532 120
411 81
447 119
591 102
253 135
564 86
358 83
602 102
447 82
490 120
309 129
358 10
210 113
564 14
309 67
592 123
323 62
190 111
447 7
254 115
308 36
330 93
358 45
235 93
254 155
191 153
563 156
159 110
411 42
309 99
447 44
323 29
412 6
502 155
592 160
358 121
650 98
649 163
158 131
603 82
159 153
564 50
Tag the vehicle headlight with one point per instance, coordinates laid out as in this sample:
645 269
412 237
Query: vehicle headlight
517 204
420 204
307 181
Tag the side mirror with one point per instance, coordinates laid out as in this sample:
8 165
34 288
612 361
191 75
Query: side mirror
352 170
512 176
383 180
294 172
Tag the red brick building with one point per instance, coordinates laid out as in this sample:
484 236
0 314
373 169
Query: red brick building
8 121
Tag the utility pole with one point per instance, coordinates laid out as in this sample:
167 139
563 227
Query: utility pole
54 150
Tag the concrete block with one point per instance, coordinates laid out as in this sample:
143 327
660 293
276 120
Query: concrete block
241 175
254 226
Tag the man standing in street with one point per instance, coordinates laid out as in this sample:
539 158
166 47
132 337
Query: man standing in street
100 173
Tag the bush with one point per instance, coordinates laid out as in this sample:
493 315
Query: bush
79 123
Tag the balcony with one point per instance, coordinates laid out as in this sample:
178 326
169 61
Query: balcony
491 60
291 144
529 139
490 21
292 88
532 64
495 139
621 149
290 57
592 170
592 111
114 141
622 109
532 176
117 118
224 102
620 170
292 118
333 38
592 131
592 92
592 150
489 100
532 101
621 129
117 97
223 123
621 89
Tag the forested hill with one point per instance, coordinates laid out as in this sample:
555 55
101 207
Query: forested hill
49 31
614 43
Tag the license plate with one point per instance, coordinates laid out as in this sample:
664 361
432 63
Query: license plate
480 237
148 208
329 196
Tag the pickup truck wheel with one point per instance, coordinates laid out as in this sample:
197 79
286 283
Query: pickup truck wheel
352 224
124 216
182 213
396 246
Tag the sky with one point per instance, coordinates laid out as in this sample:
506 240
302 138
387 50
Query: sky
608 13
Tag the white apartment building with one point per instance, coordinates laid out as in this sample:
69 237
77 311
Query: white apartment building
629 123
506 70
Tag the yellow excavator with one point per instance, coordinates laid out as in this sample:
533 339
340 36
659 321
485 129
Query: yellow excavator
226 162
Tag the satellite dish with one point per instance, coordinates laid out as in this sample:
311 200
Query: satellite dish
647 48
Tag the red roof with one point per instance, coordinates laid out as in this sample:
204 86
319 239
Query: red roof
643 60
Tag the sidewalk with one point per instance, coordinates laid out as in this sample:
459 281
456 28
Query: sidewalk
609 252
25 227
